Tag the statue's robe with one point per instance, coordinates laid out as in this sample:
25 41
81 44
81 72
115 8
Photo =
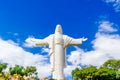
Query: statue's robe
57 44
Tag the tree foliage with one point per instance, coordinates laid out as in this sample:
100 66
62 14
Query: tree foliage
30 70
3 66
108 71
113 64
18 71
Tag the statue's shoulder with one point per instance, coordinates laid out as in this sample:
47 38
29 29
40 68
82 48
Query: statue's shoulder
51 35
66 36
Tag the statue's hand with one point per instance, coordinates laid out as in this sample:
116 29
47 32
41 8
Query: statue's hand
84 39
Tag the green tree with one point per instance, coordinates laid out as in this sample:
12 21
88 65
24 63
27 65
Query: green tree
75 73
17 69
110 70
3 66
118 75
113 64
30 70
105 74
84 73
89 72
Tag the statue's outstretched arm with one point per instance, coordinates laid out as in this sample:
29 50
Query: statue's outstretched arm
40 42
78 41
68 41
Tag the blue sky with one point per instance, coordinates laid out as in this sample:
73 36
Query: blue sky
97 20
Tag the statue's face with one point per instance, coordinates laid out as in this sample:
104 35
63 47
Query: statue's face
58 29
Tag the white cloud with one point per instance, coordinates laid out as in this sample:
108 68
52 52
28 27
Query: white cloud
69 69
45 50
13 54
105 26
105 46
75 57
115 4
29 43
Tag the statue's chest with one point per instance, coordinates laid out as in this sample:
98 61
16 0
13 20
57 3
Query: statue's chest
59 39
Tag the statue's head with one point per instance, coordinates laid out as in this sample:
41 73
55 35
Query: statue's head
58 29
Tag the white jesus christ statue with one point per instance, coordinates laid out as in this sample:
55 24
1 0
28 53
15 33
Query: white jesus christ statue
57 44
